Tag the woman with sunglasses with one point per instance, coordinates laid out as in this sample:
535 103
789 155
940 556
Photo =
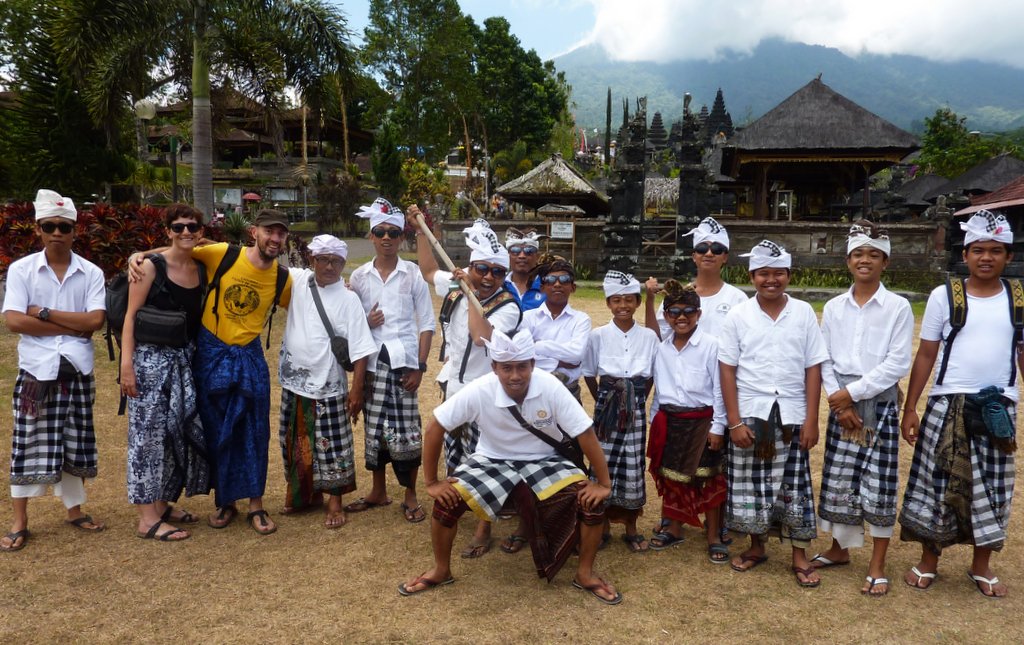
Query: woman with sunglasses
688 426
163 424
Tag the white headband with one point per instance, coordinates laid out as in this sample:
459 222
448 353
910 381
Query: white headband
49 203
861 236
514 237
382 212
617 283
987 226
709 230
768 254
480 237
328 245
503 349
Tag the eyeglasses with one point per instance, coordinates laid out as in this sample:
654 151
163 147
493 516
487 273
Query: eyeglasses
179 227
329 261
564 278
63 227
381 233
516 250
716 248
484 269
675 312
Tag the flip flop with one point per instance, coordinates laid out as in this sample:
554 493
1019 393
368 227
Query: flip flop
718 549
80 524
665 541
980 580
826 562
225 516
328 524
151 534
633 541
874 582
755 560
261 516
430 584
14 536
602 585
186 517
413 515
922 576
513 544
807 584
363 504
476 550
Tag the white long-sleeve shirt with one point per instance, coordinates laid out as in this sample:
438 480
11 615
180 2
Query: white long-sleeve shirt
558 339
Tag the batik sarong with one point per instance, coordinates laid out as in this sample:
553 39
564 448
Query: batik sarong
686 472
166 445
317 448
392 424
621 414
53 429
771 496
233 387
859 480
960 486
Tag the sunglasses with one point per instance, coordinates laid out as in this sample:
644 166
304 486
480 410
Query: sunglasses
179 227
516 250
564 278
483 269
675 312
716 248
63 227
381 233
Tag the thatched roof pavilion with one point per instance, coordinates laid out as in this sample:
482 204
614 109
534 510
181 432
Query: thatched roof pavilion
818 144
555 182
984 178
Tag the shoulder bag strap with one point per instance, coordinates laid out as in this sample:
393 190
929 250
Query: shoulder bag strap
314 290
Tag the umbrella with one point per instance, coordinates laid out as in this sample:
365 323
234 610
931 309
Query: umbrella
251 197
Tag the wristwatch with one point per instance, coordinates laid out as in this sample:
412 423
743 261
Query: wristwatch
423 367
44 314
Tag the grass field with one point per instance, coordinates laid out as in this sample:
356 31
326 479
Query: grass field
307 584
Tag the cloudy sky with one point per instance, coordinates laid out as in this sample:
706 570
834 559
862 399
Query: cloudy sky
663 30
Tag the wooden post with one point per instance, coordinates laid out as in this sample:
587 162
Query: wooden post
466 289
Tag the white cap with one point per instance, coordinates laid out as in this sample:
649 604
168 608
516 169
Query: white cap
382 212
617 283
483 241
49 203
503 349
985 226
861 236
709 230
516 237
328 245
768 254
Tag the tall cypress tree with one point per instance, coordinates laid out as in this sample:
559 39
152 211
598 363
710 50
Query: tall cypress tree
608 129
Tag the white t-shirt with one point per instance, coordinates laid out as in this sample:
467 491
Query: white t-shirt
610 352
981 350
307 366
547 406
713 310
771 357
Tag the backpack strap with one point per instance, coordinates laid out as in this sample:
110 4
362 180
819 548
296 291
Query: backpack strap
282 280
229 259
445 317
1015 295
956 294
497 301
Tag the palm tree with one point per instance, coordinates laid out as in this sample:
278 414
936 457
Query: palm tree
129 49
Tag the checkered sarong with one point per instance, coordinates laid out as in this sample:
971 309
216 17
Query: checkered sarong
53 429
771 496
392 420
858 483
625 450
927 518
485 483
317 448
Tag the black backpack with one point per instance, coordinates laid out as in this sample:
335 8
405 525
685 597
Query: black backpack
117 299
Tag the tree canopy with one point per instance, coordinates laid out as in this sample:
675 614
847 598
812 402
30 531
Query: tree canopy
949 149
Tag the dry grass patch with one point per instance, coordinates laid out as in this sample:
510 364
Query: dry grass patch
305 583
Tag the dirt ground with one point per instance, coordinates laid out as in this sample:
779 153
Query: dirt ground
307 584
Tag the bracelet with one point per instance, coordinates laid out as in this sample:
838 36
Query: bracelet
731 428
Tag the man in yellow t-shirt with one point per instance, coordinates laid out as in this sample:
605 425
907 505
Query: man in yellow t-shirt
232 378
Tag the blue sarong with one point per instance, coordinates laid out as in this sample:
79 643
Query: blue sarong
233 389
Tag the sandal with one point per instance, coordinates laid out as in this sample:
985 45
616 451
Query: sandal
186 517
718 553
151 534
820 561
603 586
80 524
413 515
420 580
261 517
663 540
513 544
982 580
874 582
921 576
753 560
14 536
363 504
806 573
225 516
473 551
634 541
